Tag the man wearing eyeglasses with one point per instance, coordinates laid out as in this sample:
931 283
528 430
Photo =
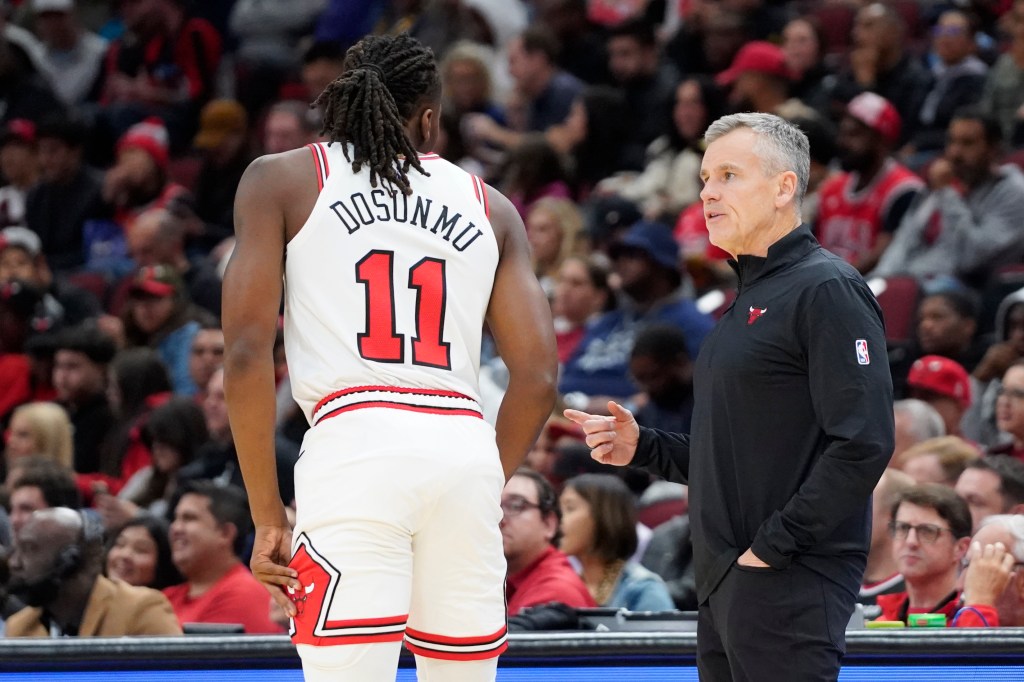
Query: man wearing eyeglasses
931 533
537 572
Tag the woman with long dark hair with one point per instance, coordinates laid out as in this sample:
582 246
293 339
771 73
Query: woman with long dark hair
599 529
173 432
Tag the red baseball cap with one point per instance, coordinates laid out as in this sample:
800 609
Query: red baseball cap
759 56
942 376
156 280
877 113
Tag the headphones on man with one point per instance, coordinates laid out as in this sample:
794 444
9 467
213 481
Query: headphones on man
71 557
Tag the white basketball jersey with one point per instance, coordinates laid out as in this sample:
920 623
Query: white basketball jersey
388 291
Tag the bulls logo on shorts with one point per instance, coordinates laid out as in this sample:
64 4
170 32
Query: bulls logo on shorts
319 583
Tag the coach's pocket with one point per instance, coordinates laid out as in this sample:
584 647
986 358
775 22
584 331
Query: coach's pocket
756 569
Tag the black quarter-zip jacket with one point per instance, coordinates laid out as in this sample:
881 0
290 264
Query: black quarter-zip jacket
792 424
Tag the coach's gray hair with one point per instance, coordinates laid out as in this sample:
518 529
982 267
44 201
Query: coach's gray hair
925 420
780 144
1014 523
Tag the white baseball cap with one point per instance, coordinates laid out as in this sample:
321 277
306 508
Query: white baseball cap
40 6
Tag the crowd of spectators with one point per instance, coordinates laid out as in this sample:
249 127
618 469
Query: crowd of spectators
125 126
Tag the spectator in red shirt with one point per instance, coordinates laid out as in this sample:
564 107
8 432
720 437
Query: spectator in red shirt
862 206
537 572
209 529
164 66
931 531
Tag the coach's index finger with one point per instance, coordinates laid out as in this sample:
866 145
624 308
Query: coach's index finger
579 417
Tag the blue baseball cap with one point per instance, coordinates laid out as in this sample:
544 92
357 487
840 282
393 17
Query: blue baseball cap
655 240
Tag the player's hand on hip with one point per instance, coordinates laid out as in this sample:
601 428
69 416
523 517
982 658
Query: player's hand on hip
271 552
612 439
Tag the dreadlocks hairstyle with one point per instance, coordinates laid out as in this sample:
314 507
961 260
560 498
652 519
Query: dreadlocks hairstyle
384 79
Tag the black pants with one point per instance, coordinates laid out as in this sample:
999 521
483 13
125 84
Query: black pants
761 625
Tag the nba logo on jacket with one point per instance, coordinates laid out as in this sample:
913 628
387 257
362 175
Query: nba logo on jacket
862 352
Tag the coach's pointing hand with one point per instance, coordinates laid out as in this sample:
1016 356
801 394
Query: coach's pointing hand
612 440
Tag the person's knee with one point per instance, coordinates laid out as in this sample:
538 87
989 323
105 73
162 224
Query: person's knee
370 662
440 670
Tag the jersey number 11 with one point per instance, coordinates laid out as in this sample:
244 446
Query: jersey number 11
381 342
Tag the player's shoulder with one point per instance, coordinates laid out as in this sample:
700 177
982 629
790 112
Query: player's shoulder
279 177
503 212
282 166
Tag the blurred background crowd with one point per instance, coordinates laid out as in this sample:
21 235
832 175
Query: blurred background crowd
125 126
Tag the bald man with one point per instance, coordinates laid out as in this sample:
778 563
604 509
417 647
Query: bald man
56 569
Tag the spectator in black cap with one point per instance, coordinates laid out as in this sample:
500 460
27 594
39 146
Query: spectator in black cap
68 194
81 357
646 260
608 218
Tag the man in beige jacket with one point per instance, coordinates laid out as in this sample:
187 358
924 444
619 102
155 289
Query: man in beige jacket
56 569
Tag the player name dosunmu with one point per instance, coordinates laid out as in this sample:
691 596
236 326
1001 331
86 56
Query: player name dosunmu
357 212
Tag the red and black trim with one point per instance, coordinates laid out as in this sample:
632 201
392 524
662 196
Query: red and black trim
457 648
365 631
480 191
426 400
323 167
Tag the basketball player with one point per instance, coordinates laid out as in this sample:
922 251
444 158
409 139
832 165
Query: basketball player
393 260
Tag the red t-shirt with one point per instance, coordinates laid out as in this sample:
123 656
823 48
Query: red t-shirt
849 222
568 340
976 616
549 578
896 606
236 598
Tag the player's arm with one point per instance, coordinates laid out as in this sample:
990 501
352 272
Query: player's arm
251 301
520 320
